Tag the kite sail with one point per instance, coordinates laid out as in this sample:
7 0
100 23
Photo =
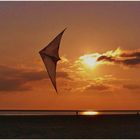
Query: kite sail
50 56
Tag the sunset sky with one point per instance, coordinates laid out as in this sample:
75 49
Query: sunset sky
100 52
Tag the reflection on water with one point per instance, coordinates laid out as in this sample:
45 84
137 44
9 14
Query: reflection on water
89 113
64 112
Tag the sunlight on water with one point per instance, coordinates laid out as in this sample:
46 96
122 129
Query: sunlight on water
65 112
90 113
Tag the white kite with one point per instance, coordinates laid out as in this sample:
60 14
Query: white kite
50 56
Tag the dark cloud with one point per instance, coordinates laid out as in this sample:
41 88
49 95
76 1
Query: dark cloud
98 87
106 58
14 79
130 62
12 85
132 86
128 59
133 54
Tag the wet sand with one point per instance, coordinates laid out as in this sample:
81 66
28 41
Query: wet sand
98 126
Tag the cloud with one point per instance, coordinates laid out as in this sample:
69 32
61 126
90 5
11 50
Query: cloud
130 58
127 58
106 58
131 86
15 79
132 54
12 85
97 87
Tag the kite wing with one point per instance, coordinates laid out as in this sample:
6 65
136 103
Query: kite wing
50 56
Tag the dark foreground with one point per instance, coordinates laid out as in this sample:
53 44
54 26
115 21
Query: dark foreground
111 126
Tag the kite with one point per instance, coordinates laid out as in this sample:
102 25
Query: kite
50 56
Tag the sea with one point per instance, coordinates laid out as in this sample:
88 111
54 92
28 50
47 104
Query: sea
66 112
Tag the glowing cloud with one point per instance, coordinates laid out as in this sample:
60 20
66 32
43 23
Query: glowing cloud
127 58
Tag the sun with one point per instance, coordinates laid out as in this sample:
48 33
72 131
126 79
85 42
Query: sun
88 61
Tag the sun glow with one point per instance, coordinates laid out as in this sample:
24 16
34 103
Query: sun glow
89 61
90 113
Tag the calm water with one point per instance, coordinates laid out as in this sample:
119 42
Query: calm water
65 112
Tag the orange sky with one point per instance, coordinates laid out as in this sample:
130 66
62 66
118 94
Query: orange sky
99 50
